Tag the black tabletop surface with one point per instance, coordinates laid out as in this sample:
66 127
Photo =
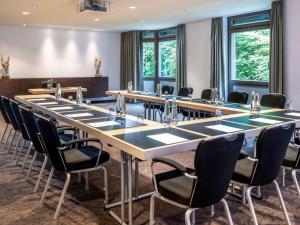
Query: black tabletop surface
141 139
123 123
247 120
293 114
94 114
204 127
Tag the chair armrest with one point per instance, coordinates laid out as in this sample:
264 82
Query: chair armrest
80 141
171 163
65 128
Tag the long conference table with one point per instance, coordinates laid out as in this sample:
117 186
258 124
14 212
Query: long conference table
39 91
135 138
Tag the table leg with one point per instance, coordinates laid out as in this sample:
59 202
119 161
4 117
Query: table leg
129 174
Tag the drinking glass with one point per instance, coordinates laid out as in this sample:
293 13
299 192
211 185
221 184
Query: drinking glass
88 102
140 116
289 106
218 114
190 97
112 110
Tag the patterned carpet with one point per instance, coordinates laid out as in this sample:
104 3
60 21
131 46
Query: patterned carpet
19 205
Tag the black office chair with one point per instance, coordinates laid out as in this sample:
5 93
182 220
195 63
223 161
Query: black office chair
7 127
69 159
13 122
167 90
238 97
44 84
205 95
185 91
271 147
273 100
24 134
206 185
292 162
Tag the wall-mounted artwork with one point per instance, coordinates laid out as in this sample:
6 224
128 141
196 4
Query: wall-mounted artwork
5 66
98 64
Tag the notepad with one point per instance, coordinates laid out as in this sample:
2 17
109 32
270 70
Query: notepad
61 108
47 103
104 124
267 121
167 138
36 99
293 114
79 115
223 128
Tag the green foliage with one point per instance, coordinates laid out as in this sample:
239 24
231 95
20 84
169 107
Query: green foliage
148 59
167 50
252 50
167 59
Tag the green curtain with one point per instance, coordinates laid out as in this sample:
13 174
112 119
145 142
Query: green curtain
181 77
276 54
217 76
130 59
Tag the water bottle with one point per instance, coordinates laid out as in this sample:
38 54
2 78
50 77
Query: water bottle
130 88
123 105
118 103
252 103
158 90
167 112
79 96
257 104
58 92
174 112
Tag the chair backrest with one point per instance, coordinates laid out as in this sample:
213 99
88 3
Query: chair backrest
215 160
9 112
3 111
32 128
16 111
271 147
206 94
184 92
50 141
44 84
238 97
273 100
167 89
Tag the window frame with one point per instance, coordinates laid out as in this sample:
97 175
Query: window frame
156 40
241 28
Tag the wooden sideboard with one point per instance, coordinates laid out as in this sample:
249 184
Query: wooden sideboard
96 86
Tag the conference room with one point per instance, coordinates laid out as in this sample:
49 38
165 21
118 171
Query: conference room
141 112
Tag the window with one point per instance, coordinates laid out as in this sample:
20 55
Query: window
158 57
249 51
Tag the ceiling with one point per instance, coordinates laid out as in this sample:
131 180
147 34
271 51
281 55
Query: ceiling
153 14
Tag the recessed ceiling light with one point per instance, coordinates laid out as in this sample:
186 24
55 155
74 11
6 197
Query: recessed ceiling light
25 13
24 25
96 19
132 7
142 21
34 6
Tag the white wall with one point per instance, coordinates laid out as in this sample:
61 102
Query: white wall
292 51
198 55
42 52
